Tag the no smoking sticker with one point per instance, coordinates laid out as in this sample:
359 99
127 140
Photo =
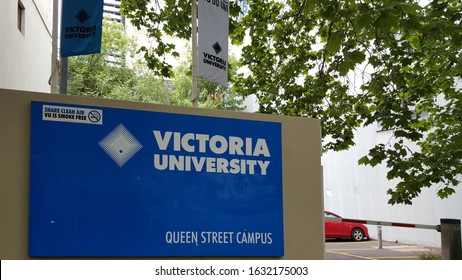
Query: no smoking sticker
72 114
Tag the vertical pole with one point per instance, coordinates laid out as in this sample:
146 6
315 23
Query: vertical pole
54 49
63 76
194 90
451 248
379 236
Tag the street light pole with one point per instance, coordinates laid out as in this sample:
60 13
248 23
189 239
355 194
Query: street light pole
195 89
54 49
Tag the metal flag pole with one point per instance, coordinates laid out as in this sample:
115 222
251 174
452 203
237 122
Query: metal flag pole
54 49
58 78
63 76
63 71
195 89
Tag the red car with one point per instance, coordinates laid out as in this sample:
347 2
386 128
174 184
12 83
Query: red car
354 231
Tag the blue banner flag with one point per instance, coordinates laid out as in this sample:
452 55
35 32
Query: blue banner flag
81 27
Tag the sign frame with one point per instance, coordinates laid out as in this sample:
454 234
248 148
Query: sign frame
246 207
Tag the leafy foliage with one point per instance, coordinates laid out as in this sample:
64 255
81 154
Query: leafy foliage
212 95
115 74
109 75
349 63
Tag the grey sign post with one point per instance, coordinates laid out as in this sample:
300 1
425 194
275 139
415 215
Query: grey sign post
451 248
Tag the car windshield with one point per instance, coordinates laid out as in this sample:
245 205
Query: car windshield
329 215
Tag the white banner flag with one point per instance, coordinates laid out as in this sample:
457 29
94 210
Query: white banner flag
213 40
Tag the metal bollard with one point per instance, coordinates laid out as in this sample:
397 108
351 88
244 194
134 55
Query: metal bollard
451 248
379 236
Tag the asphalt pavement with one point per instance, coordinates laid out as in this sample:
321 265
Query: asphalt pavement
368 250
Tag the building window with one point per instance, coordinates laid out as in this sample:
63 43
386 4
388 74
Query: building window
21 17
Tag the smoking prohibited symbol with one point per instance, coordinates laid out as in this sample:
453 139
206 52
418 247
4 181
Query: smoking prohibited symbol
94 116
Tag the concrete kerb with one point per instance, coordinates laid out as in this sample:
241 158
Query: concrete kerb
451 248
368 250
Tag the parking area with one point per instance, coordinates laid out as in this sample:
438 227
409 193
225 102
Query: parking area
368 250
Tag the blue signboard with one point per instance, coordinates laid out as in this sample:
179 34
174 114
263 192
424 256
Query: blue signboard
107 182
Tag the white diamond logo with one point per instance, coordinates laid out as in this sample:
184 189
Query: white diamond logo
120 145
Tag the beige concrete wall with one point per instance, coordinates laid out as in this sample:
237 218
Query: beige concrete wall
301 138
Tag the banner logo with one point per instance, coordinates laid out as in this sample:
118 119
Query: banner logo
82 16
217 48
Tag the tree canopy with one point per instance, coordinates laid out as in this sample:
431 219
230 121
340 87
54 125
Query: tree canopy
116 73
350 63
212 95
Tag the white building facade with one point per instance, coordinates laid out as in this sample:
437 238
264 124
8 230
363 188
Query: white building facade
25 45
26 28
359 192
111 8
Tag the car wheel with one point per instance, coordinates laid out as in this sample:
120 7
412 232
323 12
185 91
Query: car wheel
357 234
